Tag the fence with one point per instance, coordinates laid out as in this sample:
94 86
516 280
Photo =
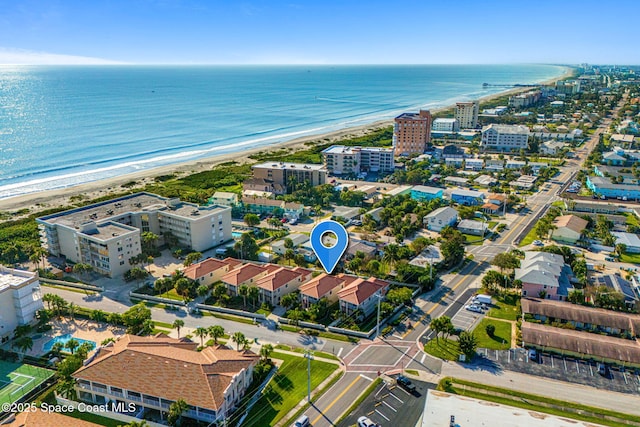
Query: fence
151 298
72 284
231 311
310 325
109 413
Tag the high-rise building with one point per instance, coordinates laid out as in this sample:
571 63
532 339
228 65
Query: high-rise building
467 114
284 177
411 133
505 137
20 299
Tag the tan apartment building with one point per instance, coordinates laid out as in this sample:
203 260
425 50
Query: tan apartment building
210 270
248 274
466 113
281 282
411 133
286 177
324 286
154 372
107 234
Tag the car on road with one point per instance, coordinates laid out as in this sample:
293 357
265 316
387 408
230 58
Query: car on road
366 422
405 383
473 307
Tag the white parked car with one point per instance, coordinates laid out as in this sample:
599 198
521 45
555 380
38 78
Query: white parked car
474 308
538 243
366 422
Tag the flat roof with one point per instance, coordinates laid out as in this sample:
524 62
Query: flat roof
343 149
288 165
138 202
440 406
13 278
109 230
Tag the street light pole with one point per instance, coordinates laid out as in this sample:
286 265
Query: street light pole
309 355
379 295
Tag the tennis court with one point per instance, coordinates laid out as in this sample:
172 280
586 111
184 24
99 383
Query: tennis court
18 379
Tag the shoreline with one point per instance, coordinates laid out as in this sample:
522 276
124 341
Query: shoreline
48 199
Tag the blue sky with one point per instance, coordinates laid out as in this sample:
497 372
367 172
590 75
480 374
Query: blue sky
318 32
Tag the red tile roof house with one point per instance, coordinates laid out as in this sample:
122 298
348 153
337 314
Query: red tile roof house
281 282
361 294
248 274
210 270
154 372
323 286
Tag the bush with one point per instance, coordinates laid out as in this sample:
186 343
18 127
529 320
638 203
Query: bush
490 329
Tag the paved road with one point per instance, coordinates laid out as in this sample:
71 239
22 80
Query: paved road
262 333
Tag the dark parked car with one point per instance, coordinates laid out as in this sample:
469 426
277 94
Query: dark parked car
406 383
604 371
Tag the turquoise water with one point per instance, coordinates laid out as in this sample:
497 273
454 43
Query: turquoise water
63 339
236 234
61 126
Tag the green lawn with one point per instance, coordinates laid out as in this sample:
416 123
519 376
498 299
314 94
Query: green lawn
632 219
472 240
529 238
171 294
507 307
501 339
492 224
445 349
630 258
301 351
286 389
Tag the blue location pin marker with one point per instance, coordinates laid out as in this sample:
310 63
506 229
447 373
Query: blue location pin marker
329 255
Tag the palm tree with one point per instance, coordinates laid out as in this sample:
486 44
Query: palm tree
23 344
215 332
57 348
72 344
72 310
295 316
105 341
176 410
239 339
265 351
201 333
243 290
391 254
142 423
37 256
177 324
253 293
48 298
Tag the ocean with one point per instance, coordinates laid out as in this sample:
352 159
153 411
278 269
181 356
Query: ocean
63 126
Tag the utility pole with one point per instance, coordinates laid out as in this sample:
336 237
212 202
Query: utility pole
309 355
379 295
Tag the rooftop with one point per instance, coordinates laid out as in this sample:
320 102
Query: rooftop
106 230
628 239
114 208
359 290
291 166
321 285
205 267
572 222
342 149
426 189
517 129
14 278
168 368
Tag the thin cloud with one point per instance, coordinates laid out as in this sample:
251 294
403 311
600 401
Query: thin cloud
12 56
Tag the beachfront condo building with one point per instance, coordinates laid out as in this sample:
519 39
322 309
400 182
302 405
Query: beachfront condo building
411 133
154 372
505 137
284 178
467 114
106 235
20 299
341 160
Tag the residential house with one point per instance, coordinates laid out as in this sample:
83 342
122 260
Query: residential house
441 218
431 255
20 299
613 159
469 226
495 204
296 238
373 213
224 198
293 210
261 205
467 197
496 165
604 187
445 125
281 282
485 180
621 286
515 164
526 182
536 166
369 249
361 295
568 228
323 286
423 193
544 274
474 164
155 372
630 240
210 270
456 180
345 213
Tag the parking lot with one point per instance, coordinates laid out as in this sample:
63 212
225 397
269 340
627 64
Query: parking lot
466 320
390 405
563 368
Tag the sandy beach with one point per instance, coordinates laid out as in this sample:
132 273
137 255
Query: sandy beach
62 197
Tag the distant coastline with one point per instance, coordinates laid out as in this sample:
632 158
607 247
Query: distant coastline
48 199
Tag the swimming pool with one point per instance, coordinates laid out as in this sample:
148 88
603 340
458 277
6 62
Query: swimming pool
63 339
236 234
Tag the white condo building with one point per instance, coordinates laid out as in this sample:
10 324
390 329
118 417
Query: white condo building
107 234
445 125
505 137
339 159
20 299
466 113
